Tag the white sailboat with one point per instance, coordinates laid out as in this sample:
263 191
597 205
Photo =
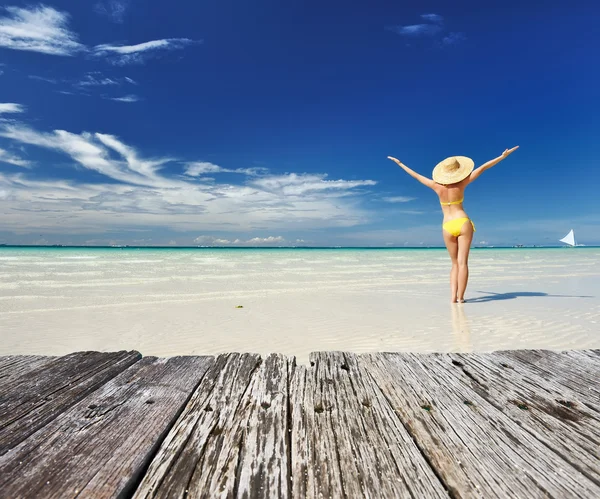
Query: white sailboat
569 239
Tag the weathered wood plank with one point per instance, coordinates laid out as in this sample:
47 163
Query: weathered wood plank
548 411
33 399
314 461
231 439
15 366
476 449
346 439
100 446
580 376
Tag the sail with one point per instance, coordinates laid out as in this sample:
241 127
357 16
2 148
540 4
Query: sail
569 238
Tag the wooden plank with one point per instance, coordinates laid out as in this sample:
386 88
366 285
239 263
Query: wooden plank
100 446
314 459
31 400
580 376
548 411
476 449
346 439
15 366
231 439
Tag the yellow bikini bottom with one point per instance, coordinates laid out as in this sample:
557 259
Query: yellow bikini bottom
454 226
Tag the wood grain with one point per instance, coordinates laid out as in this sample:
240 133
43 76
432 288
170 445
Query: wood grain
101 446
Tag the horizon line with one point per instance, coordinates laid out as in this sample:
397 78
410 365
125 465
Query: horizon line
127 246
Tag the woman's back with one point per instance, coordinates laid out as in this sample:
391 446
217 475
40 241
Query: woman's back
451 198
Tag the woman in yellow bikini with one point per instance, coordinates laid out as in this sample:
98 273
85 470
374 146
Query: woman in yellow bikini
450 178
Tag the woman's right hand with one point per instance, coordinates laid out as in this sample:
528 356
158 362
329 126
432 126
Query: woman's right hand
509 151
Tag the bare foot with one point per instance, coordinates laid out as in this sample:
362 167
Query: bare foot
461 301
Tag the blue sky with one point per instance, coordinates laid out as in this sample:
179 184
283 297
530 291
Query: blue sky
269 123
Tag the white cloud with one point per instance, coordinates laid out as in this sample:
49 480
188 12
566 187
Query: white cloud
297 185
96 79
398 199
83 148
44 29
38 29
415 30
198 168
434 18
138 54
129 80
254 241
11 107
136 194
434 28
41 78
126 98
6 157
113 9
266 240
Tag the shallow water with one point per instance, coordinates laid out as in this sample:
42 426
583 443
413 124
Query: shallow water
295 301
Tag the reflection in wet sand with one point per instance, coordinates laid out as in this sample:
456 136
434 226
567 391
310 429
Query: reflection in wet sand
460 328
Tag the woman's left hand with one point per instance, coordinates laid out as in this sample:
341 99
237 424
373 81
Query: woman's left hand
394 159
509 151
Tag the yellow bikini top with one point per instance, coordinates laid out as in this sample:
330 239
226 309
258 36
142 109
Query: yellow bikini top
452 202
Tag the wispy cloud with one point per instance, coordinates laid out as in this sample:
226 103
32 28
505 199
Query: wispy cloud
114 9
433 29
138 193
415 30
398 199
293 184
96 79
126 98
453 38
434 18
199 168
41 78
44 29
6 157
138 54
11 107
90 79
85 84
38 29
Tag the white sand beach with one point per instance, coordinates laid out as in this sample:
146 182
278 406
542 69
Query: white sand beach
183 302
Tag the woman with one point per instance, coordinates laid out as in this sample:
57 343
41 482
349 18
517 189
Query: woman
450 178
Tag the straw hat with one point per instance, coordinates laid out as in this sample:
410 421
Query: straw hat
453 170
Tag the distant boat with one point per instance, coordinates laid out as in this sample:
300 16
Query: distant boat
569 239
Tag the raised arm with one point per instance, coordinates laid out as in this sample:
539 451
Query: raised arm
486 166
424 180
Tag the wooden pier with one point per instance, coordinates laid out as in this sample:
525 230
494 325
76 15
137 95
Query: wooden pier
504 424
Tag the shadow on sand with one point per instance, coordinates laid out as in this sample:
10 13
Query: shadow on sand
518 294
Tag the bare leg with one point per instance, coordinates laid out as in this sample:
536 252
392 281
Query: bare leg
464 245
452 246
